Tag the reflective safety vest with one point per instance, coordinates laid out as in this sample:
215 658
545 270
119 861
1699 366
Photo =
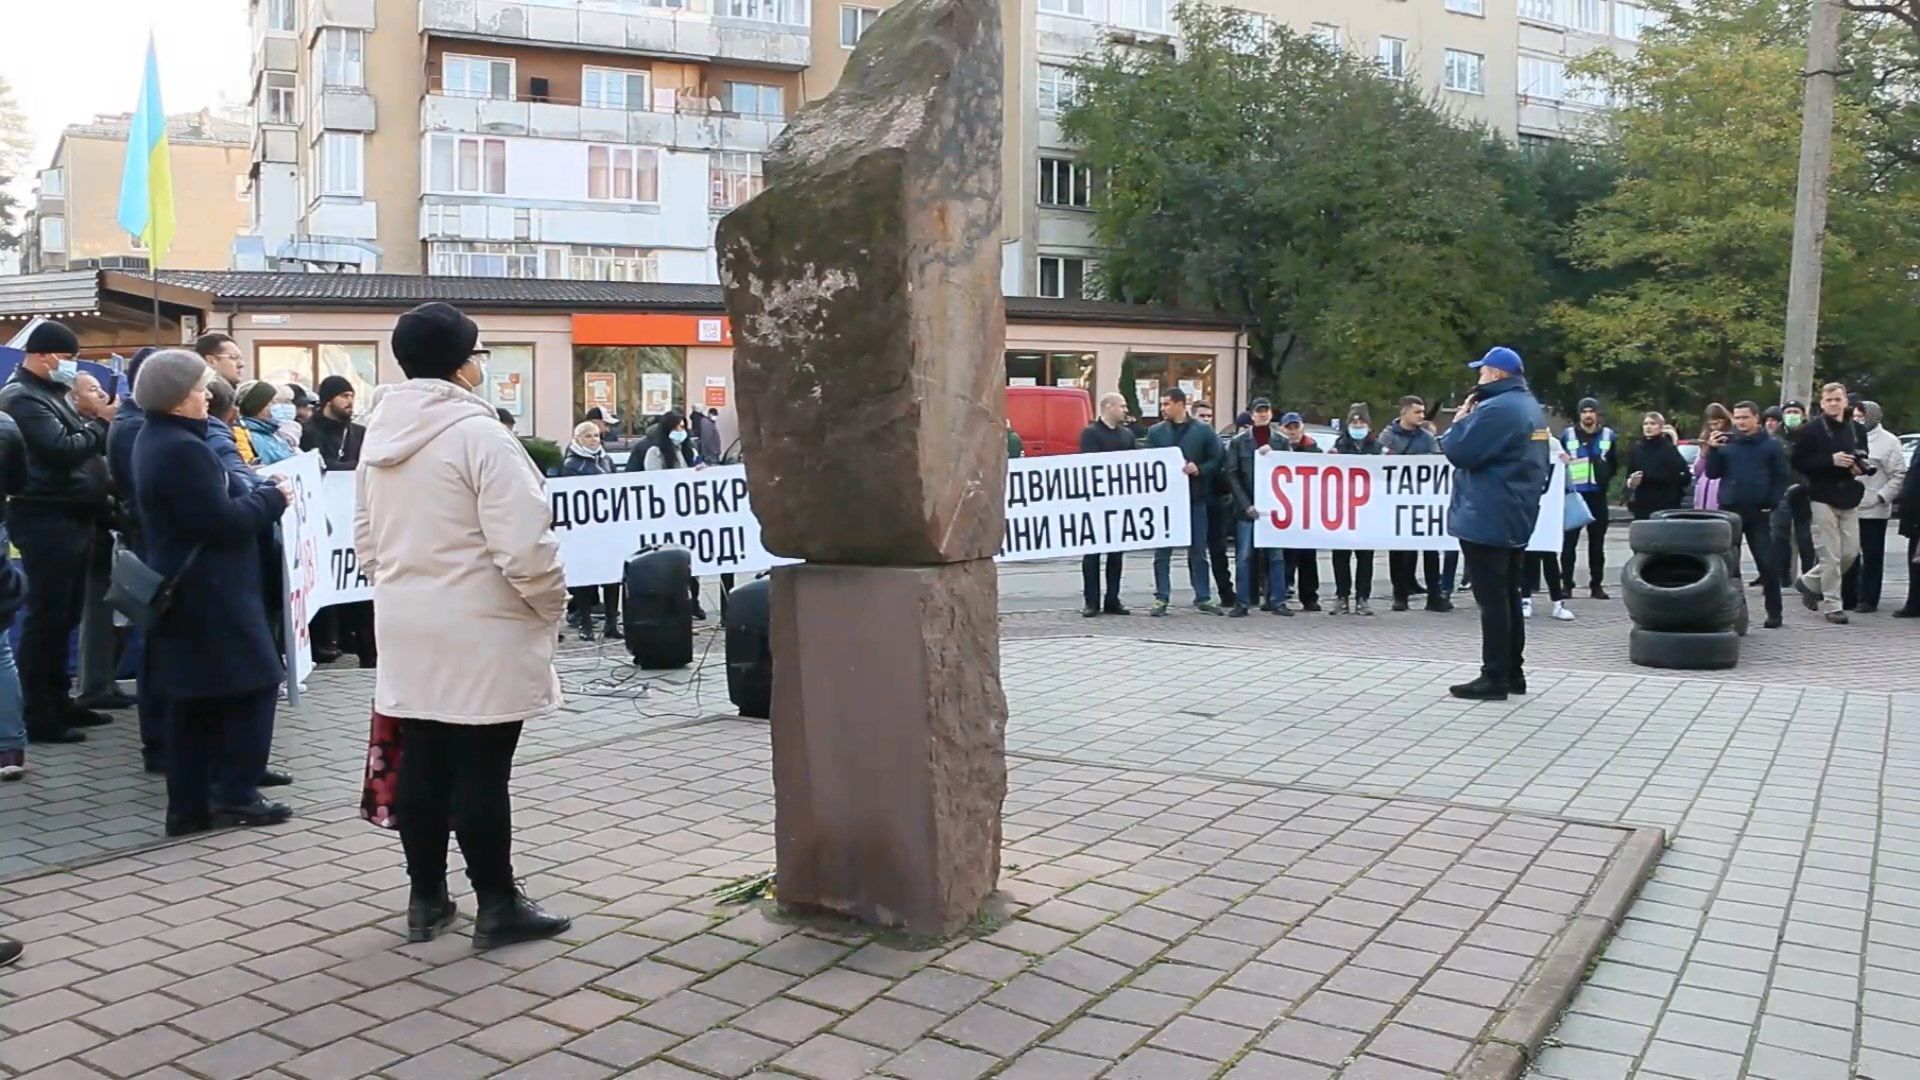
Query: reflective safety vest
1580 468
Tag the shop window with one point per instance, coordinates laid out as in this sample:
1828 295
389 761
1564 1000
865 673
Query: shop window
1051 369
307 364
1145 376
639 381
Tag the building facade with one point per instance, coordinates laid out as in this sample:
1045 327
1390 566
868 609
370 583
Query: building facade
70 217
602 139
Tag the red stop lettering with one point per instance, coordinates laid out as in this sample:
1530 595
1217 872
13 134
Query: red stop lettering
1282 517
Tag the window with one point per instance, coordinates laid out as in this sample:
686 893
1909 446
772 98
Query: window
1393 57
53 184
1059 89
280 15
613 88
282 364
468 164
282 102
509 382
343 58
1324 34
1148 375
612 264
477 259
1074 369
53 234
1467 7
1141 14
756 100
785 12
340 163
623 173
1065 183
735 177
1533 146
1589 15
1546 11
1075 8
1062 278
1543 78
1629 20
1250 37
1465 72
854 23
1589 91
476 76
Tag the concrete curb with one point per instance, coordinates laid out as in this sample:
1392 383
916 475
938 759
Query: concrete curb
1516 1038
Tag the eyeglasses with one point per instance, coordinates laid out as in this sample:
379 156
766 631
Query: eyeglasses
480 355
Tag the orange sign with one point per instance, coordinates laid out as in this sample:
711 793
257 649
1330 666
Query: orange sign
716 391
711 330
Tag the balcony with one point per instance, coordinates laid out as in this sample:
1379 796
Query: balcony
687 128
279 144
346 13
689 31
337 109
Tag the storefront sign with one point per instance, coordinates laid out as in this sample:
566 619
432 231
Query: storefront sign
506 390
1372 503
602 390
1147 392
656 393
716 391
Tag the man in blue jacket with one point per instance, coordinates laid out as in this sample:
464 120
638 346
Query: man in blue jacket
1201 447
1753 474
1500 449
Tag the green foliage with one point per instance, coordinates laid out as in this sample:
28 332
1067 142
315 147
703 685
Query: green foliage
546 454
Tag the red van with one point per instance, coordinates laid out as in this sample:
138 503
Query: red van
1049 419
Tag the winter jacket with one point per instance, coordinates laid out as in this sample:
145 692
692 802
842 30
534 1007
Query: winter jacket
1098 438
581 465
1502 463
1243 454
216 639
1909 498
1344 444
453 528
339 441
13 583
655 459
1663 476
1813 448
1200 445
706 432
1015 448
1890 472
268 447
1595 455
1706 489
63 455
1398 440
243 441
13 459
1750 471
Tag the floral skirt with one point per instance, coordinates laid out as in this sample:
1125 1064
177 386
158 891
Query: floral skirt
380 790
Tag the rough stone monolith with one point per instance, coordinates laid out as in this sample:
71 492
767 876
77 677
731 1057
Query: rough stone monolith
864 289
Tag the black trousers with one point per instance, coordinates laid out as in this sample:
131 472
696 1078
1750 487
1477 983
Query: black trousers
1496 590
216 749
1303 569
1349 583
454 776
1792 524
1596 535
1538 561
1913 576
56 544
582 599
1090 578
1757 529
1220 521
1400 566
1860 586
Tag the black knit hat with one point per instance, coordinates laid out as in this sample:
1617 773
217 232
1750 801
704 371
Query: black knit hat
432 341
51 337
333 386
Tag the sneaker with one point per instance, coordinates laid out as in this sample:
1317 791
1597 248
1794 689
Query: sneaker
1239 612
1281 610
1361 607
1561 611
1340 606
1526 607
1115 607
1439 602
1837 618
1400 603
10 951
427 918
1598 593
13 764
1207 607
1809 596
586 634
1480 689
1159 609
505 920
1089 612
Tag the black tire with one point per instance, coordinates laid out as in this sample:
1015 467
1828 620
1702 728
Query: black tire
1709 535
1688 593
1716 651
1741 621
1733 522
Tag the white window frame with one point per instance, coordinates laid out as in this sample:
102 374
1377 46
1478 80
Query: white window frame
283 101
610 77
1392 56
1057 88
466 63
452 147
633 155
53 235
599 262
1077 193
779 12
1551 12
330 149
863 20
1148 15
1326 35
1465 72
1076 9
1060 272
281 16
1630 21
734 176
1543 78
1468 7
53 184
1587 16
760 88
343 58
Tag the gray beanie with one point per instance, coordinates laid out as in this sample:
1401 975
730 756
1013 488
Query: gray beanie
167 377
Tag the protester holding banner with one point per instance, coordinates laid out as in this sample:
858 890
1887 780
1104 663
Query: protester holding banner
1354 590
1200 446
587 457
1593 456
1499 447
211 658
453 527
1107 434
1657 474
1409 434
1257 437
669 445
1303 564
332 432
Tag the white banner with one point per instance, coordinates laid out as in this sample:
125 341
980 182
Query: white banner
1373 503
347 584
602 520
1075 504
305 547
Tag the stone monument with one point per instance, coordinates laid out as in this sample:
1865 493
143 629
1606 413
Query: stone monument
864 289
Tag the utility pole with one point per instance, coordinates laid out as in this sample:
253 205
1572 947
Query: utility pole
1810 205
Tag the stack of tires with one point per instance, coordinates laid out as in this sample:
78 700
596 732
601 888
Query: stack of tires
1683 592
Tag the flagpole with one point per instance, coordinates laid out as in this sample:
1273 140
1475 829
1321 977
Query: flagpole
153 276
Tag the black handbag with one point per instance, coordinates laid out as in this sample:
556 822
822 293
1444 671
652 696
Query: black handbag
137 590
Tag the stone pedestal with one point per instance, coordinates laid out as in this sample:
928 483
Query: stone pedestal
889 733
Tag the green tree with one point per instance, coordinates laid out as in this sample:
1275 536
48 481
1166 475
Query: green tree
1366 238
16 149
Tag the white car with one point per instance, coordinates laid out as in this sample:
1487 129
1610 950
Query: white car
1909 441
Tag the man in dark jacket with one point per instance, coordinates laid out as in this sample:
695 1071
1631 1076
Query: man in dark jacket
332 430
1906 506
1500 449
1831 452
1407 435
1107 433
1793 518
1219 512
1201 448
1302 564
57 502
1752 470
1258 437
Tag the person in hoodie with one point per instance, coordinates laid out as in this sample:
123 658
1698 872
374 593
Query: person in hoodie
1353 570
1258 436
1410 434
1593 455
453 528
1860 590
261 414
586 456
1658 474
1201 450
1302 564
1751 471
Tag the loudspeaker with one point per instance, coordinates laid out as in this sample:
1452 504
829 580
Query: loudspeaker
750 649
659 615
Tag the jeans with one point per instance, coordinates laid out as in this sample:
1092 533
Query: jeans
13 715
1400 567
1090 578
1196 560
55 547
1596 534
1496 574
1861 587
1538 561
1247 559
454 776
1303 566
1792 524
1353 574
216 750
1836 536
1756 526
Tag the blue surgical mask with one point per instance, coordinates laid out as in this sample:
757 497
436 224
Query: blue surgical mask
66 372
281 413
1358 431
678 436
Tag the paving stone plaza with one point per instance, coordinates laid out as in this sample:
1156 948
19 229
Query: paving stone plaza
1256 848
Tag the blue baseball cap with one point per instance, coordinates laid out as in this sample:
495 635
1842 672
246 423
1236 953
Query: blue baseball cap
1501 358
1290 419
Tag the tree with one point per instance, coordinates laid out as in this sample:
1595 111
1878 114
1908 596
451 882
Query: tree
16 149
1363 236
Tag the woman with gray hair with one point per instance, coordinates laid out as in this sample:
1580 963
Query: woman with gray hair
211 656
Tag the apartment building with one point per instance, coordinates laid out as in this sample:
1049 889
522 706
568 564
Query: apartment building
70 216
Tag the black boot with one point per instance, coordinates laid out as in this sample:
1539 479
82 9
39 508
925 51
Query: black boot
426 918
1480 689
507 918
612 631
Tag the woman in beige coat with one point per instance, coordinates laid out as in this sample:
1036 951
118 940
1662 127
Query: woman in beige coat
454 530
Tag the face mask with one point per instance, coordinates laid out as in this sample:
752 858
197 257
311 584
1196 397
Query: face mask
1792 420
677 437
66 372
1359 432
281 413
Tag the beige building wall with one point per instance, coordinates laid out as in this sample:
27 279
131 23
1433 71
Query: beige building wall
209 203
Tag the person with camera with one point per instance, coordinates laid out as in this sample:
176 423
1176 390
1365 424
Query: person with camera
1831 452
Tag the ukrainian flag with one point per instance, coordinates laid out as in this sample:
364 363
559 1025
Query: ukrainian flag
146 184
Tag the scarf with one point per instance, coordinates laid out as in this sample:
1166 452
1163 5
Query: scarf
577 450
